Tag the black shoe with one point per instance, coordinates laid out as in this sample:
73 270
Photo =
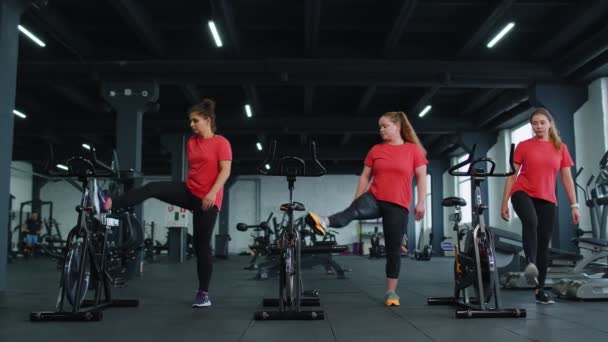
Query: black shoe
543 298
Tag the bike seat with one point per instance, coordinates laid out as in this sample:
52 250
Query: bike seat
295 206
453 201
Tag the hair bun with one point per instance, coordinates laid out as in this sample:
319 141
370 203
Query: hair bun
208 104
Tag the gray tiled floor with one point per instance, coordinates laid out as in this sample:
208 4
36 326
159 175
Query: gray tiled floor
353 308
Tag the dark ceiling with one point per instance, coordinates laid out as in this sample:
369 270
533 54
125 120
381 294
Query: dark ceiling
311 69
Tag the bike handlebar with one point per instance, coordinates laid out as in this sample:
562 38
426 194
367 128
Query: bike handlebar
290 165
472 171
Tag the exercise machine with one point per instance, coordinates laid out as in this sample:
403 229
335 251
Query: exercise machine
89 255
424 252
475 261
293 302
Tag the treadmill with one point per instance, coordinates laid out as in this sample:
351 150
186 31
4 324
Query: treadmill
591 288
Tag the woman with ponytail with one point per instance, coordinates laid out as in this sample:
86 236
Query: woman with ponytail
532 192
209 162
385 190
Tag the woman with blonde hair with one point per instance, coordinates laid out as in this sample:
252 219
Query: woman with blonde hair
532 192
385 190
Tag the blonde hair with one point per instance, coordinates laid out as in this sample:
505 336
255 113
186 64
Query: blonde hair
407 131
553 131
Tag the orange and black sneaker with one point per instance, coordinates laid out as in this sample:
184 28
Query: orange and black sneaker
391 299
314 221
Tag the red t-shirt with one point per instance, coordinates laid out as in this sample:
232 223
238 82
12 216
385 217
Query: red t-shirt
540 162
204 156
392 171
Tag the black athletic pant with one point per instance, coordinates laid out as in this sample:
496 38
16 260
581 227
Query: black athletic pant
394 225
537 220
176 193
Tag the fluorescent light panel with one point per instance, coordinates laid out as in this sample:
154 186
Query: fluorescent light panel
248 111
215 34
31 36
500 35
259 146
19 114
87 146
63 167
425 111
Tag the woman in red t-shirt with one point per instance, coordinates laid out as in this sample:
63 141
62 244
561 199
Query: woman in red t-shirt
390 168
209 161
532 191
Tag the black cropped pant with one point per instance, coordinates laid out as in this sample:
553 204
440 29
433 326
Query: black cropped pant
176 193
394 225
537 220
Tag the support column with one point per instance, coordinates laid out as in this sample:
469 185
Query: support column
436 169
130 100
176 145
562 100
10 14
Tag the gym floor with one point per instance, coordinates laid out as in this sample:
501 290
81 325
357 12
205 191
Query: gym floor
353 308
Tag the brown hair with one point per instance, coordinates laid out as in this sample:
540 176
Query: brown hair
553 132
407 131
205 109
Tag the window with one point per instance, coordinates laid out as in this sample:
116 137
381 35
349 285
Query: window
521 133
463 189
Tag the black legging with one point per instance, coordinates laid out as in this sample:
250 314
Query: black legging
394 225
176 193
537 220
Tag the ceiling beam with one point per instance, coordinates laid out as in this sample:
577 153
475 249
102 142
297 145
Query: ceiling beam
309 95
61 27
312 23
86 102
324 123
504 103
223 17
300 72
251 95
369 93
345 138
191 93
398 27
482 99
135 16
489 24
425 99
589 49
516 116
586 14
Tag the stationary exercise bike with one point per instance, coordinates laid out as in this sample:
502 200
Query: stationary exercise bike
289 245
475 262
89 256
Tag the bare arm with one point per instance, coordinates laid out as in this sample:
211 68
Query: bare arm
222 177
507 192
364 180
421 187
568 184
